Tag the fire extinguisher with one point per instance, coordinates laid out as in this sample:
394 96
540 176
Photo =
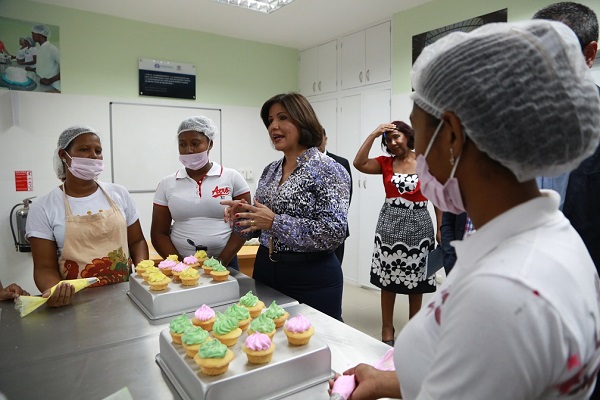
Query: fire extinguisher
21 243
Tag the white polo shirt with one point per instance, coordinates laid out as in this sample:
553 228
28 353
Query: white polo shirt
195 207
518 318
48 62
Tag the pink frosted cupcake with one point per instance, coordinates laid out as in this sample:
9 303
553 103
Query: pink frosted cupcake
204 317
192 262
259 348
177 270
166 266
298 330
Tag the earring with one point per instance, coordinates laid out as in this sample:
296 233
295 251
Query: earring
64 160
451 156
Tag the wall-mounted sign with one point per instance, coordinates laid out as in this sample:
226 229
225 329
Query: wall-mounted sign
23 181
167 79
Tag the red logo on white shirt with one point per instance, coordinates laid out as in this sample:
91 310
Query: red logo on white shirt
218 192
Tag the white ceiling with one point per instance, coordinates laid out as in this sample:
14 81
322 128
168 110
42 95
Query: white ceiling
301 24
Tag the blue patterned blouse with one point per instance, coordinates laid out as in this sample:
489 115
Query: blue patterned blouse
311 206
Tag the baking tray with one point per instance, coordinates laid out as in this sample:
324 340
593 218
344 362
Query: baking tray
177 299
292 369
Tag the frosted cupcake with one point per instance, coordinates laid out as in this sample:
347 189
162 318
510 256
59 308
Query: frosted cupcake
219 273
298 330
252 303
148 271
204 317
192 339
166 266
241 314
191 261
277 314
189 277
178 326
258 348
142 266
226 330
262 324
178 269
201 256
158 281
173 257
213 358
208 265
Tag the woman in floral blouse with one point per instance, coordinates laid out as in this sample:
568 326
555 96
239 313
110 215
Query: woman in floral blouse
300 209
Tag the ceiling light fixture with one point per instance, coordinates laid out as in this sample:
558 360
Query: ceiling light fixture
264 6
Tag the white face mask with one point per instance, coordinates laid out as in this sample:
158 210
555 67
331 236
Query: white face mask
446 197
194 161
87 169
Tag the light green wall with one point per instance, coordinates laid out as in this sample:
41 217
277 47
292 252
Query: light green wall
439 13
99 56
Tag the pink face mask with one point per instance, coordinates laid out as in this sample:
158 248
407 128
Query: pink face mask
194 161
87 169
446 197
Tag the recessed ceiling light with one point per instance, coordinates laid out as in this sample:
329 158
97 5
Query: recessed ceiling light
264 6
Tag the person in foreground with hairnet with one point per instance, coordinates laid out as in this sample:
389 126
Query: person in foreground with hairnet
519 317
83 228
190 199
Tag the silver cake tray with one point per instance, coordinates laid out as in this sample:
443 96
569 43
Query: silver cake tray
292 369
177 299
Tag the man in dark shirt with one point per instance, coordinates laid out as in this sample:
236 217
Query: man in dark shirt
339 252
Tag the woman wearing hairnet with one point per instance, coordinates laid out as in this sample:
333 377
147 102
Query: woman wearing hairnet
519 317
190 199
84 227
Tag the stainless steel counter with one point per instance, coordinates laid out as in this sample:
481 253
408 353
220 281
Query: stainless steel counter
103 342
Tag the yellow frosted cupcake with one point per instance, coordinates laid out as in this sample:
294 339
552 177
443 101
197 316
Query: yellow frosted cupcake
173 257
258 348
277 314
241 315
142 266
148 271
226 330
298 330
252 303
192 339
201 256
213 358
262 324
158 281
189 277
178 326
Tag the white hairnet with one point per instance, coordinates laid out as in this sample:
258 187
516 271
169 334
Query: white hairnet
64 140
200 124
41 29
521 91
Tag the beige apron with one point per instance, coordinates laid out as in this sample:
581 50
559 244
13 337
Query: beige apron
95 245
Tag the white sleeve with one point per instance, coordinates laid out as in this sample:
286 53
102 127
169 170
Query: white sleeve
240 186
160 196
498 339
38 223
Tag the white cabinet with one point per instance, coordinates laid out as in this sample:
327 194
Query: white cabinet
326 111
318 69
359 115
366 57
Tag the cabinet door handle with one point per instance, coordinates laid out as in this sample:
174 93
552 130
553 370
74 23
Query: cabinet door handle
365 183
360 76
319 86
368 75
314 85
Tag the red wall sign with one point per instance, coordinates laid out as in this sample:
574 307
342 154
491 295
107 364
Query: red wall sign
23 181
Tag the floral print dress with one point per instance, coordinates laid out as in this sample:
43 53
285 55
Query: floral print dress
403 238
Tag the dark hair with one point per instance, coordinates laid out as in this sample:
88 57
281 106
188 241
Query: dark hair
581 19
408 132
301 113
